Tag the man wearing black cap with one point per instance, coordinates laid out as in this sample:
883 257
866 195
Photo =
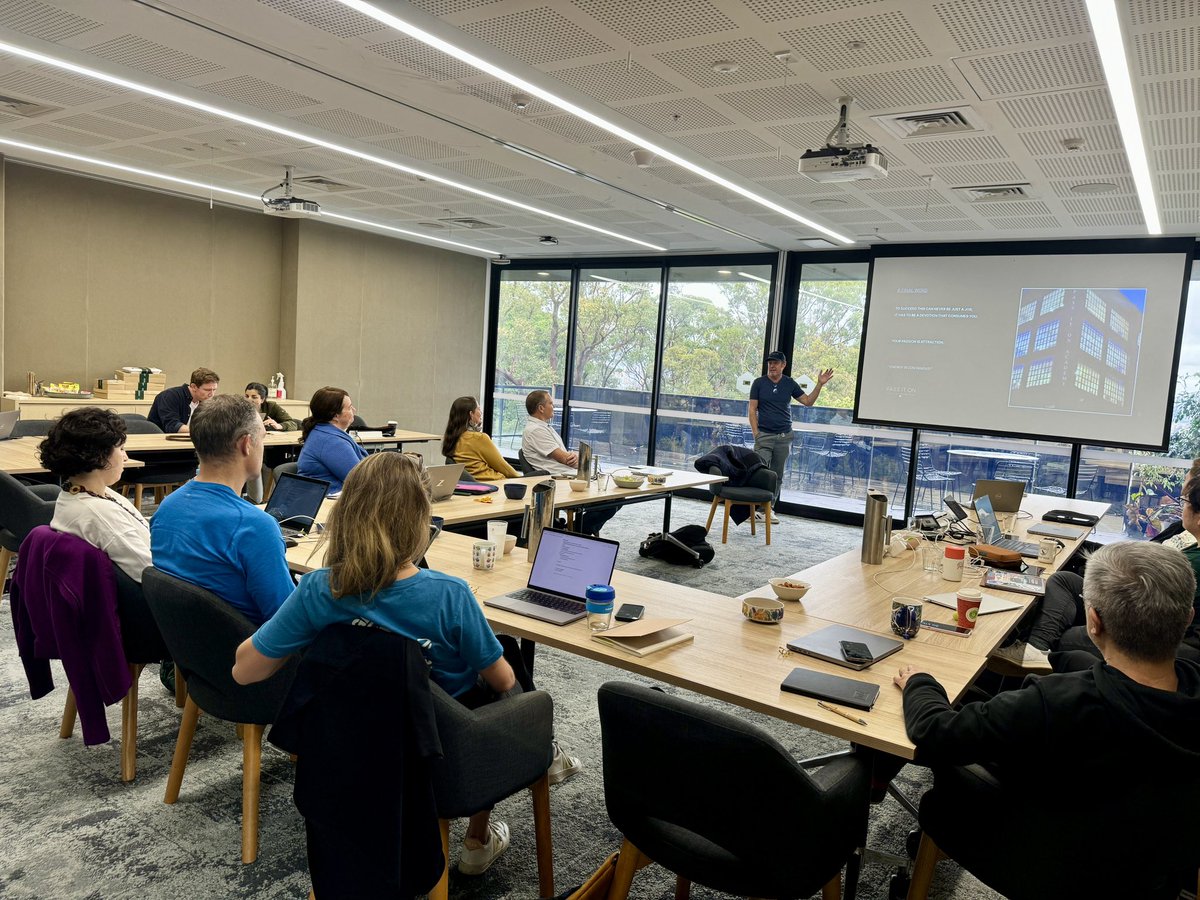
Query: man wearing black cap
771 415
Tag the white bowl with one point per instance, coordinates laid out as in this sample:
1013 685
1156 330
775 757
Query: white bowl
579 484
789 588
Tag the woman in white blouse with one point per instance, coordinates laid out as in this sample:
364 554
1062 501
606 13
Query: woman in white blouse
85 448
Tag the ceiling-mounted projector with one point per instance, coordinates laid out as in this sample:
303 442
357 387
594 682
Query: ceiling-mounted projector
839 160
285 205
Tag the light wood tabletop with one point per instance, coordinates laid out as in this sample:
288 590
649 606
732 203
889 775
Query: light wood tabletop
19 456
731 658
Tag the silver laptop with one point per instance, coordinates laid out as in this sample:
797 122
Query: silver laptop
1054 530
565 564
1005 495
443 480
992 533
826 644
7 421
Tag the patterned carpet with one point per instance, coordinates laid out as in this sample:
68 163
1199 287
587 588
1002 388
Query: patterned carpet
70 829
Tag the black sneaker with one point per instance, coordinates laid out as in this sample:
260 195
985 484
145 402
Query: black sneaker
166 674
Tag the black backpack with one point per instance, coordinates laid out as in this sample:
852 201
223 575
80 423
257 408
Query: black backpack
668 549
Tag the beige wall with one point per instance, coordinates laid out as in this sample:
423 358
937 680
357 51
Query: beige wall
100 275
398 325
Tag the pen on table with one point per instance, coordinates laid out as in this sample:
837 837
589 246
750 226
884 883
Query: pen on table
841 712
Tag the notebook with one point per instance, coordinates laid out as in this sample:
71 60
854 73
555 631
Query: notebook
835 688
991 532
443 480
991 603
826 644
565 564
295 502
1005 495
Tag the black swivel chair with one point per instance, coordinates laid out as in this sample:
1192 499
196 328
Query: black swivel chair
162 477
526 467
202 633
22 509
719 802
31 428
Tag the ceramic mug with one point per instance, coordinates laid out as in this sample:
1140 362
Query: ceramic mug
906 616
483 555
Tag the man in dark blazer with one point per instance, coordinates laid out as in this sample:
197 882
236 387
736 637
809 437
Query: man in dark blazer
172 408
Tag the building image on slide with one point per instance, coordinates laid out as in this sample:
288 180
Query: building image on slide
1077 349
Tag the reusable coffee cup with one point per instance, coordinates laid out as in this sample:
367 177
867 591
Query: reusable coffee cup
496 530
483 555
1047 550
906 616
931 556
599 600
952 562
968 606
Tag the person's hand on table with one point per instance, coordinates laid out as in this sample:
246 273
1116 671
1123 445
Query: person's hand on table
905 673
272 424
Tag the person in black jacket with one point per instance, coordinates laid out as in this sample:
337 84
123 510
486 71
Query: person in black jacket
173 407
1099 745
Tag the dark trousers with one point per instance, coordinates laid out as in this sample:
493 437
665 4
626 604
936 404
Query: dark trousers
1060 623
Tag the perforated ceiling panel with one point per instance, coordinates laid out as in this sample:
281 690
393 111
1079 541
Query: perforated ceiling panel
328 16
653 23
43 22
776 10
982 24
768 104
616 80
696 63
1084 165
481 169
500 94
762 167
433 64
958 150
692 115
153 58
1168 132
724 143
263 94
344 122
450 7
157 117
812 135
1000 172
417 147
118 131
576 129
903 89
888 38
1171 51
1036 71
1050 141
537 36
55 91
1066 108
55 133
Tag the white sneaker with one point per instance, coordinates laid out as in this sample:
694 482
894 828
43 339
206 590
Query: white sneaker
1023 656
759 517
477 860
563 766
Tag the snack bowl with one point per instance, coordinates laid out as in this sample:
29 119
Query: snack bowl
579 484
628 479
658 478
763 610
510 541
789 588
515 490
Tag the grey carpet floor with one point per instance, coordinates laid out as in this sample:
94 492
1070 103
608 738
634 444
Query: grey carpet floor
70 829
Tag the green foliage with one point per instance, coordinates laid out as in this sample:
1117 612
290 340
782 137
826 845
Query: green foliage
1185 430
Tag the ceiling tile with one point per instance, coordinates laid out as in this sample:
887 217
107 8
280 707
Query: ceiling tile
442 8
724 143
574 128
1171 51
481 169
412 54
767 104
330 17
692 115
903 88
1168 98
615 80
1036 71
1177 131
160 118
259 93
889 38
1066 108
999 172
44 22
118 131
1104 220
1085 165
55 91
51 132
653 23
346 123
500 94
417 147
695 63
960 150
903 199
153 58
762 166
1049 142
1012 223
1100 204
812 135
531 187
536 36
1163 11
948 226
983 24
777 10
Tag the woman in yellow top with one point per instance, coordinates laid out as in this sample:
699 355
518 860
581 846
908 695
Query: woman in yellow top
465 443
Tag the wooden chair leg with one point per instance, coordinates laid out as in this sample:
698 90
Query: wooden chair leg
683 888
629 861
540 791
183 746
160 491
767 517
6 556
251 766
712 511
928 854
441 890
725 525
180 688
138 490
129 726
753 519
68 718
832 889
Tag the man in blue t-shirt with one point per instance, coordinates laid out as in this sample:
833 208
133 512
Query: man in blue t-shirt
771 415
206 533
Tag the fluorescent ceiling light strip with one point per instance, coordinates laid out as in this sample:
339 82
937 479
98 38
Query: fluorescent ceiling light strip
1106 29
754 277
202 185
303 138
483 65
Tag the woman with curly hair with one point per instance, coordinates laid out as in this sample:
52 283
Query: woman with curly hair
85 448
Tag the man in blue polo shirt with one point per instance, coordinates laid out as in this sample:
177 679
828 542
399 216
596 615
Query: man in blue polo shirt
206 533
770 412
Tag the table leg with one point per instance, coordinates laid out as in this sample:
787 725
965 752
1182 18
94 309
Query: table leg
528 649
667 515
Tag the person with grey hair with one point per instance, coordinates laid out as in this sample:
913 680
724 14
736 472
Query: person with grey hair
205 533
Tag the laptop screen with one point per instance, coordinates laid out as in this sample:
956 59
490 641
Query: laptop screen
295 501
988 524
566 563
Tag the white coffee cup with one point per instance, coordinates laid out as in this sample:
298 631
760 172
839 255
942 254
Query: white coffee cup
496 530
1047 550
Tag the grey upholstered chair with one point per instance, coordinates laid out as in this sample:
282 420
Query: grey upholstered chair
491 753
22 509
202 633
31 428
526 467
721 803
162 477
759 490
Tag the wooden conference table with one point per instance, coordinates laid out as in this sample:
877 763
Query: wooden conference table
738 661
20 457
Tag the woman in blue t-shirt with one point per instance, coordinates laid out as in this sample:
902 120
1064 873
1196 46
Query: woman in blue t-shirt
375 534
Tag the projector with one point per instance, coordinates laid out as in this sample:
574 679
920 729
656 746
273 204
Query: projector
291 208
863 163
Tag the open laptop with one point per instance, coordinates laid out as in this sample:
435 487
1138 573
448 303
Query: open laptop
295 502
443 480
565 564
7 421
991 532
1005 495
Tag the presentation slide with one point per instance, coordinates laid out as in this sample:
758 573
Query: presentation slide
1071 346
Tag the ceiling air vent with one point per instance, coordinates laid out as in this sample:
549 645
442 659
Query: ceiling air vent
325 184
467 222
990 193
25 108
935 123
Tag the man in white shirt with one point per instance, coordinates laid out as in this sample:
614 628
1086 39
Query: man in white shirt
544 449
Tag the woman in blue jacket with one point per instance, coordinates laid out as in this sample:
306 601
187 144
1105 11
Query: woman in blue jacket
328 451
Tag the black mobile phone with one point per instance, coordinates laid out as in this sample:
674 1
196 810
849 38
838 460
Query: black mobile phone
856 651
955 507
630 612
943 628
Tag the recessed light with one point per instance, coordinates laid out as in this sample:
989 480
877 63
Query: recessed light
827 201
724 271
548 241
856 45
759 277
725 67
1094 187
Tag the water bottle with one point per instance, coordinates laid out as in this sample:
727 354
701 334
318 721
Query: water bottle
599 604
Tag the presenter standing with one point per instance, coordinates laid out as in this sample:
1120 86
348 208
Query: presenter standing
770 413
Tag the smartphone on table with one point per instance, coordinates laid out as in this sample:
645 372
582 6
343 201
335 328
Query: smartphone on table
856 652
943 628
630 612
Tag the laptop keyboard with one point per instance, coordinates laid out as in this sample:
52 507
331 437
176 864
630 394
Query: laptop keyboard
548 601
294 533
1025 548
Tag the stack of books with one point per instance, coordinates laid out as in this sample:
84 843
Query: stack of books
131 383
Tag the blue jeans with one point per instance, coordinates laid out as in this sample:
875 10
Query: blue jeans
774 450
